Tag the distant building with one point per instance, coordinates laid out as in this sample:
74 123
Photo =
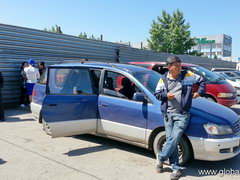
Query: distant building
214 46
140 45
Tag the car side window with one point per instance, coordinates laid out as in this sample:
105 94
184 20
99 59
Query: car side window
70 81
60 76
160 69
117 85
95 74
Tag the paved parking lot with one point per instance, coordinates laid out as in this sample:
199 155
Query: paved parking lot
26 152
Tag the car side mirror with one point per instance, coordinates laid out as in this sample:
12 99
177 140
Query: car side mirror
137 96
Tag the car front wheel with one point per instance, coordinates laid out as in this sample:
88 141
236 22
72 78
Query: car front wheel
184 148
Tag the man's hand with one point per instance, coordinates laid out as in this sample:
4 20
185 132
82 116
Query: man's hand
170 96
195 95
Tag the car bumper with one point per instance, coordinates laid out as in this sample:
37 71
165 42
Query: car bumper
35 109
227 102
215 149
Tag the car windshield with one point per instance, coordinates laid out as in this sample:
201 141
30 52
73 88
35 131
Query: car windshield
210 76
224 75
235 74
148 78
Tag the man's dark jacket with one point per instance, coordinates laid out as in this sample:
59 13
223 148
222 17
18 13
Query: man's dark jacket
188 79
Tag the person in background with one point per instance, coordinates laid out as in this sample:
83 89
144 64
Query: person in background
23 79
41 67
2 118
33 75
127 89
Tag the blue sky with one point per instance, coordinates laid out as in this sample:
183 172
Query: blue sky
123 20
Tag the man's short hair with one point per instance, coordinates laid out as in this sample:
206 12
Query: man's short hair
173 59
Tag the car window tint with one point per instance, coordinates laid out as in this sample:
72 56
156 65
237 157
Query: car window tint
229 74
95 74
148 79
70 81
60 76
160 69
117 85
210 76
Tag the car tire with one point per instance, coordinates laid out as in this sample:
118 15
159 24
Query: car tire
40 117
185 152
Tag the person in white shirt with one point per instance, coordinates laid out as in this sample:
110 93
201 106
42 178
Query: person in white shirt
33 75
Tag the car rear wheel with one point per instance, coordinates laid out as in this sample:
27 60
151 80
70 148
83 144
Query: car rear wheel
40 117
184 149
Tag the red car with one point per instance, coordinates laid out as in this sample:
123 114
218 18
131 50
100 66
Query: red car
217 89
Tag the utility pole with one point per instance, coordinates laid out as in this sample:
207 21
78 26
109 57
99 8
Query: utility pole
211 50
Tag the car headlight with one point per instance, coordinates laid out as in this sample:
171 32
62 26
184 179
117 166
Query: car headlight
215 129
225 95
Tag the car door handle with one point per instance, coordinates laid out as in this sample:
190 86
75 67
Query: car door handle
104 105
52 104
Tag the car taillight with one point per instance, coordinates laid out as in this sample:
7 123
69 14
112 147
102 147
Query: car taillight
34 93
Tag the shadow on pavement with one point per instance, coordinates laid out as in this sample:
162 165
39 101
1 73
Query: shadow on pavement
2 161
16 111
11 115
14 119
195 168
106 144
199 168
87 150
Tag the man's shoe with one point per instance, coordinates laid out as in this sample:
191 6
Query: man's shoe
175 175
159 166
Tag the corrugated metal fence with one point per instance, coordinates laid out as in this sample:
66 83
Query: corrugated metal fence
131 54
17 44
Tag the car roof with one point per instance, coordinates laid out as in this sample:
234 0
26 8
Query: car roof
160 63
101 65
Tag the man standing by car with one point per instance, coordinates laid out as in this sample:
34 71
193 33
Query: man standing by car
174 90
1 106
33 75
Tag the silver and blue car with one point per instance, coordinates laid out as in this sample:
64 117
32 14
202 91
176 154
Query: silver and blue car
78 98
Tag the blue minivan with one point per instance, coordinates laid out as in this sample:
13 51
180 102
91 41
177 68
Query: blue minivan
78 98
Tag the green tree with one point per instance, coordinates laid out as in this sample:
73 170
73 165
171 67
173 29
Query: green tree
215 56
195 53
170 34
55 29
84 35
